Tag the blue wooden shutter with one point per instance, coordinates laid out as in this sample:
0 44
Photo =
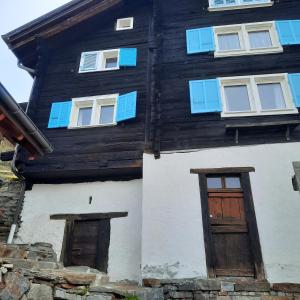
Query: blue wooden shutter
294 81
289 32
60 114
205 96
126 107
128 57
200 40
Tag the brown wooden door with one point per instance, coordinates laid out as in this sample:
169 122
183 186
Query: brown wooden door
89 243
229 229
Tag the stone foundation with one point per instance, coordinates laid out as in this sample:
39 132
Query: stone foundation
225 289
31 272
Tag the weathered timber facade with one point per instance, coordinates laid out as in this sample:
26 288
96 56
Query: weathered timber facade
201 187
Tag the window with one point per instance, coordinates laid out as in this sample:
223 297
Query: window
246 39
124 24
256 95
99 61
215 5
93 111
108 60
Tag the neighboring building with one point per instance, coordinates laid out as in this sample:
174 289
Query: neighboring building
175 125
16 129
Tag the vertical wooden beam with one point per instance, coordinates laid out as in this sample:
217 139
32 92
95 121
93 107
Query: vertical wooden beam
252 226
152 134
207 233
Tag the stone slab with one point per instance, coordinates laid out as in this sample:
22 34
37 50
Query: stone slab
286 287
40 291
254 286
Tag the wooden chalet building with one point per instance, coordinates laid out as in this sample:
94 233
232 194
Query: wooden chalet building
175 126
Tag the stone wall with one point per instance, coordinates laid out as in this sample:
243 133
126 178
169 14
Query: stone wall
10 193
225 289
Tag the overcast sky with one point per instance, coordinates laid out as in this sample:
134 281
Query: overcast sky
14 13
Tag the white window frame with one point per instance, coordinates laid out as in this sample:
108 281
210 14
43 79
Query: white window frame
254 98
119 26
239 5
243 32
101 56
96 102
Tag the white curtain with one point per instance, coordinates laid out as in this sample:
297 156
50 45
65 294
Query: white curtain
260 39
229 41
237 98
271 96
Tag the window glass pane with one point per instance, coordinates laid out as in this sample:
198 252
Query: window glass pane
107 114
229 41
271 96
237 98
214 182
111 62
84 116
232 182
260 39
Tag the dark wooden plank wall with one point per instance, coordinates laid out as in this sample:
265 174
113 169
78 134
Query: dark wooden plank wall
94 153
116 152
180 129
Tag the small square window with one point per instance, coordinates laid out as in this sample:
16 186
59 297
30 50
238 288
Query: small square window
111 63
229 41
232 182
107 114
260 39
271 96
110 60
237 98
214 182
84 116
124 24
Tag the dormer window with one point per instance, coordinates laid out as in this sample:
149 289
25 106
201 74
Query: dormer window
124 24
215 5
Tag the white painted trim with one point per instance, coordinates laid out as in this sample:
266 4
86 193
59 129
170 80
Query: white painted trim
251 82
102 55
213 8
96 102
120 27
243 31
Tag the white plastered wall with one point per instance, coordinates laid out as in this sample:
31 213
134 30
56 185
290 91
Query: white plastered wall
125 241
172 236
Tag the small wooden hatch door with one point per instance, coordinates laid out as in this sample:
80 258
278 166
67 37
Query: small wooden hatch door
88 244
231 235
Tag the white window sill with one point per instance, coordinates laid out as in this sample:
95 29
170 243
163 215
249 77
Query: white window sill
241 6
262 113
102 70
272 50
92 126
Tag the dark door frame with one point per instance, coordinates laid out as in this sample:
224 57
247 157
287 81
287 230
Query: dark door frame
65 256
250 217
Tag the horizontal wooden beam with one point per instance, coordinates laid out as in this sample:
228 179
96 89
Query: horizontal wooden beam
230 170
95 216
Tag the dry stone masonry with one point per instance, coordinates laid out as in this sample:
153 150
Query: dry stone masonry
31 272
10 193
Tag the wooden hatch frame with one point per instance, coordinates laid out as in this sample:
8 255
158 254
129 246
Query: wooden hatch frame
70 219
250 217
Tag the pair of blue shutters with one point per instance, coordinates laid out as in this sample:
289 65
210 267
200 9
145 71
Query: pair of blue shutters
205 95
61 111
201 40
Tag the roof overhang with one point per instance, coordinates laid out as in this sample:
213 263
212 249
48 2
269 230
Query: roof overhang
55 22
18 128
